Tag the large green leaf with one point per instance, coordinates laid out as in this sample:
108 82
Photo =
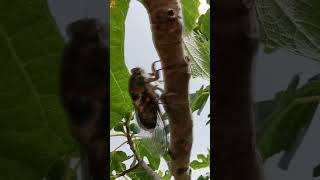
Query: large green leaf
190 14
285 126
199 99
33 132
198 50
154 160
204 24
293 25
119 76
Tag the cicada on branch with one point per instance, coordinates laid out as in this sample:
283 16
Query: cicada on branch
146 100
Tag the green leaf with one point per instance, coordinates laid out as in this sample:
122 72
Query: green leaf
119 75
204 24
198 50
293 25
199 99
116 161
203 162
119 128
288 120
190 14
166 175
138 174
134 128
154 161
316 171
203 177
34 131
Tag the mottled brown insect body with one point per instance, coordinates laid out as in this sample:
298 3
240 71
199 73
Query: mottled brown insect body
144 97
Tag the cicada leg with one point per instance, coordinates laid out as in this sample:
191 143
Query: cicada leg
155 73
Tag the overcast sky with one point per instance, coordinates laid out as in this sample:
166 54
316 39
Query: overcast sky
272 73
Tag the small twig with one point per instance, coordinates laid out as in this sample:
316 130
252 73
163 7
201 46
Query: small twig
151 173
120 146
117 135
126 171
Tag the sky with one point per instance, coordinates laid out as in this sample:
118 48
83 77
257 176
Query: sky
271 73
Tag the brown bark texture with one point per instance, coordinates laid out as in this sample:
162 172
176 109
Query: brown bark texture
167 27
235 41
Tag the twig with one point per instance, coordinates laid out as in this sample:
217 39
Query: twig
140 160
120 146
126 171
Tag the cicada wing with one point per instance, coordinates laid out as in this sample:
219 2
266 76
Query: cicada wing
156 140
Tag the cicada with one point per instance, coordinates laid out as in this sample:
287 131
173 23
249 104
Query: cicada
146 102
84 91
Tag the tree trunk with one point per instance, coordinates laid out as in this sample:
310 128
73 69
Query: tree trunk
166 26
235 41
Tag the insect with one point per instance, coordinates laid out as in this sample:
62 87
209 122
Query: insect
144 96
84 92
148 114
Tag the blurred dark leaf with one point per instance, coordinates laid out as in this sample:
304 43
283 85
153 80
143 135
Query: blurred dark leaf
316 171
297 29
34 130
283 121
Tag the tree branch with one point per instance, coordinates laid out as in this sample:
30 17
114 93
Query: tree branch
166 26
136 154
235 43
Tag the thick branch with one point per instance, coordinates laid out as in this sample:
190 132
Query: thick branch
235 42
166 26
136 154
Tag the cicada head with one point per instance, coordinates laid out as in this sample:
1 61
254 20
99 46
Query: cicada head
137 71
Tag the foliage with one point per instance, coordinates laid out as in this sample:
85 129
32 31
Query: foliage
197 46
202 162
30 79
34 135
316 171
199 99
119 75
293 25
283 121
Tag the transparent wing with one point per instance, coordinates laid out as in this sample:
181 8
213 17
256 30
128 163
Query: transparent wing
156 140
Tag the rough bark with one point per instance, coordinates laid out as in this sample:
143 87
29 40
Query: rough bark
235 40
166 26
